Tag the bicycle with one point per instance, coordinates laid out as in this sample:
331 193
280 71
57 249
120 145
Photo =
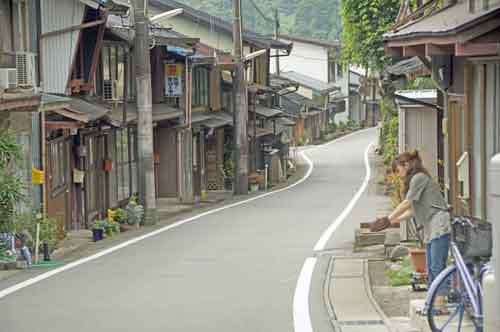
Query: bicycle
454 299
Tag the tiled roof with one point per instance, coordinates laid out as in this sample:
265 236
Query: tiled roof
309 82
447 21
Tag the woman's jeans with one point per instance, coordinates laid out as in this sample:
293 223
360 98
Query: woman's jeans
437 256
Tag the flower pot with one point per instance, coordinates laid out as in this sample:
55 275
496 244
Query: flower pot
126 227
417 256
97 234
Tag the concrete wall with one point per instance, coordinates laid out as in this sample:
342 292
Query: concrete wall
184 25
306 59
417 128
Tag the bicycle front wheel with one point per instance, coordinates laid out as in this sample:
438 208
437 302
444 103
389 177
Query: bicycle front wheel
448 307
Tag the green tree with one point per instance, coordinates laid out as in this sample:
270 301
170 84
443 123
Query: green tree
306 18
363 24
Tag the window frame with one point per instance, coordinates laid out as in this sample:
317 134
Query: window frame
201 87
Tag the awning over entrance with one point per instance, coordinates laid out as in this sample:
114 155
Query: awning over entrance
160 112
267 112
212 120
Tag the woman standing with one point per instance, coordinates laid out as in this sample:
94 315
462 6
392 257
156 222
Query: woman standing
421 194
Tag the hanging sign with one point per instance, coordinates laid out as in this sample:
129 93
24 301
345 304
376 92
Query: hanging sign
173 80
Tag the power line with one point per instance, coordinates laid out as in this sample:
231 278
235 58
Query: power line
261 13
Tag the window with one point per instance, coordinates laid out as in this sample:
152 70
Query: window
113 71
331 71
200 86
340 70
122 164
58 166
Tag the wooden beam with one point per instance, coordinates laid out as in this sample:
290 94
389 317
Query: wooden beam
396 52
418 50
63 125
19 103
433 49
73 28
477 49
97 51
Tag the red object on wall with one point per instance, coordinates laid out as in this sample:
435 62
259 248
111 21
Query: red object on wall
108 165
157 158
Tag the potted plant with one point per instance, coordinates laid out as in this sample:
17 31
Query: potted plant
135 212
98 230
121 218
417 254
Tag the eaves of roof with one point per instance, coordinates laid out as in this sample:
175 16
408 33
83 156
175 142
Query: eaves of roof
312 41
447 22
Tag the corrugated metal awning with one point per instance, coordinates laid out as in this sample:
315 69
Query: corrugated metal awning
285 122
267 112
212 119
160 112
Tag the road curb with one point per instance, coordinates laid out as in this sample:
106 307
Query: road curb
368 287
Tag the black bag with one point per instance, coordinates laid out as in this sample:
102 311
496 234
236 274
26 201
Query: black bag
474 239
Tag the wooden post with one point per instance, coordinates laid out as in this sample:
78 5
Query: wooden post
144 113
240 113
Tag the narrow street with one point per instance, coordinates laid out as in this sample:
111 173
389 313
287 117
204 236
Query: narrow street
234 270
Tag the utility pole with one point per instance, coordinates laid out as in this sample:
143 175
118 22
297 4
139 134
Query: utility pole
240 112
146 178
276 36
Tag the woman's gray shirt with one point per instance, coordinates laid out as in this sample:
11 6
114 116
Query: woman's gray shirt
423 194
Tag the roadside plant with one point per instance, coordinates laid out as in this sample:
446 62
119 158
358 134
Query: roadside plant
100 224
120 216
12 188
388 134
27 221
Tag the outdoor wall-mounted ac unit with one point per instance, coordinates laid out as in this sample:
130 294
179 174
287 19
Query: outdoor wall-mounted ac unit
110 90
8 78
26 69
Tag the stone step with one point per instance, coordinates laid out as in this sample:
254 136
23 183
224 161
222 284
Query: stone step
365 238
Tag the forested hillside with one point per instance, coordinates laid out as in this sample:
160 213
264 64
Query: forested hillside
308 18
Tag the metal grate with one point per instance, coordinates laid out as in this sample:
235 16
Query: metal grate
360 322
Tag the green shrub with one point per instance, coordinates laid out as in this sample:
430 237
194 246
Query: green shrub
11 186
120 216
388 134
48 228
402 275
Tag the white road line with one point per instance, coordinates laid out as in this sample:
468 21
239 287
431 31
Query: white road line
320 245
301 315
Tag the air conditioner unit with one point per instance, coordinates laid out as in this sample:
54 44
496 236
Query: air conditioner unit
110 90
8 78
26 69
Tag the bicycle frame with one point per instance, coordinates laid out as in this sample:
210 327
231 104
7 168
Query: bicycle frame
472 288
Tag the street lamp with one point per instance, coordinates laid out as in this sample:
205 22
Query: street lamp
169 14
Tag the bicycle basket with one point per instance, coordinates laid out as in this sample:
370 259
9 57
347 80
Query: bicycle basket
472 240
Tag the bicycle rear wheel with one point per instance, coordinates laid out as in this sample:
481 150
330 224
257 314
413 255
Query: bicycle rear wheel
449 309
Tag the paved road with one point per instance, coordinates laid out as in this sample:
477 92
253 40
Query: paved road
235 270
